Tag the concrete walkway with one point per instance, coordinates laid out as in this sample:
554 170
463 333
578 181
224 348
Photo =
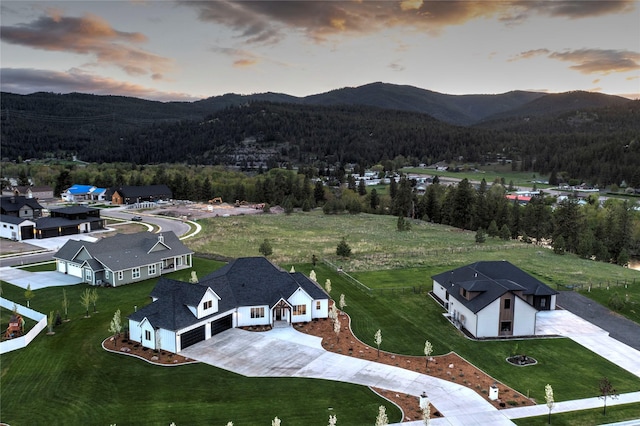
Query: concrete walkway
592 337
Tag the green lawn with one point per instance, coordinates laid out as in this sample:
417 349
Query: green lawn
615 413
69 379
407 319
76 381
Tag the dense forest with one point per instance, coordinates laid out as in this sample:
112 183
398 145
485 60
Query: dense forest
587 137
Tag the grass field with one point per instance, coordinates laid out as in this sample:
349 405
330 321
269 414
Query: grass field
491 174
586 417
68 379
68 376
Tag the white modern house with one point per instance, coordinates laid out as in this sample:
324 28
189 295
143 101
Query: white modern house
493 299
248 291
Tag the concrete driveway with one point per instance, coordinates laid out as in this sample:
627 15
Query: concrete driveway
285 352
37 280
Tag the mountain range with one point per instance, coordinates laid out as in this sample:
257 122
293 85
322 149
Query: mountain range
464 110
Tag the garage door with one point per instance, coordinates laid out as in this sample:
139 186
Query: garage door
222 324
192 337
75 271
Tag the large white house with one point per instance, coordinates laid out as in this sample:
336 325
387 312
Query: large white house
248 291
493 299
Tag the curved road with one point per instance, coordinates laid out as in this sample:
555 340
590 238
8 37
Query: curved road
165 224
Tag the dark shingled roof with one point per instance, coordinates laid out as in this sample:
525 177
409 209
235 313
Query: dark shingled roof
15 220
256 281
492 279
13 203
125 251
248 281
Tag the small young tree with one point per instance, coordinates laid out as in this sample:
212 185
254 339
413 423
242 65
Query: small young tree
50 323
428 349
426 413
194 278
275 421
606 391
85 301
548 397
333 420
94 298
293 270
336 328
327 286
265 248
377 338
314 260
333 312
342 302
312 276
65 304
115 326
382 418
481 237
28 294
343 249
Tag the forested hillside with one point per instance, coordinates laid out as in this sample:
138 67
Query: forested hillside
596 145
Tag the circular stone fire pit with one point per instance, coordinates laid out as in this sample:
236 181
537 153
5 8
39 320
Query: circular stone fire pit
521 360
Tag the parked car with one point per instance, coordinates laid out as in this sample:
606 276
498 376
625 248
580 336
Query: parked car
137 218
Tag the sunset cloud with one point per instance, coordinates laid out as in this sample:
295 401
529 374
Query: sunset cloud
88 35
599 61
25 81
590 61
266 21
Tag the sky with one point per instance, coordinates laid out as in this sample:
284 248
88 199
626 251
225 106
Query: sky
185 50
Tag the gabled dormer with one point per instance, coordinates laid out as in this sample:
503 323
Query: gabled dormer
208 304
81 255
160 245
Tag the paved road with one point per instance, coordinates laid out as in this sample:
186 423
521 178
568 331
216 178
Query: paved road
619 328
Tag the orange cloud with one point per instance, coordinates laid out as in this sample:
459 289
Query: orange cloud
265 21
27 80
599 61
88 35
241 63
590 61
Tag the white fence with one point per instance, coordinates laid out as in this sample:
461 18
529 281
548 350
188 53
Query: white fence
22 341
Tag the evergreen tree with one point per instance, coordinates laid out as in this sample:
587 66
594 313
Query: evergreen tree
463 202
374 199
343 249
505 232
265 248
493 229
318 192
480 236
362 188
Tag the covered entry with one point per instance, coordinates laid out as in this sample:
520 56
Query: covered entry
192 337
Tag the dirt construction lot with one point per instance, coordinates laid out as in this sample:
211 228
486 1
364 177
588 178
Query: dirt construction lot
194 211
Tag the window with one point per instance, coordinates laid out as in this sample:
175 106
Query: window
87 274
505 326
147 335
318 305
300 310
179 261
257 312
507 303
543 302
464 293
106 274
120 275
153 269
207 305
135 273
